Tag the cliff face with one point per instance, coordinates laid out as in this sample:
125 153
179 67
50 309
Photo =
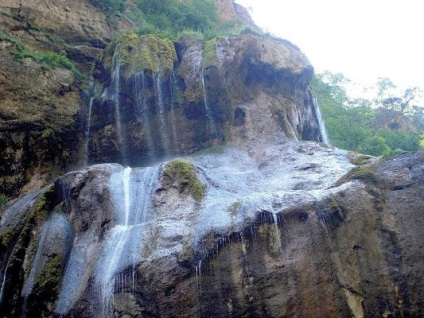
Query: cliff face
294 230
40 101
257 217
159 100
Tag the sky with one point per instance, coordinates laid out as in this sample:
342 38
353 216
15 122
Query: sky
362 39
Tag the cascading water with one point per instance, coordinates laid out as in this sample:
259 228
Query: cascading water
87 130
175 149
207 109
320 121
11 218
57 232
139 92
116 87
163 129
131 191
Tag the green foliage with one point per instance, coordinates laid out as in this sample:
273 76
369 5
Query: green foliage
421 142
198 15
110 7
48 58
46 133
190 35
6 38
3 200
350 121
185 174
176 19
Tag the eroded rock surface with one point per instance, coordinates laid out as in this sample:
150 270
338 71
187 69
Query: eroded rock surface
291 231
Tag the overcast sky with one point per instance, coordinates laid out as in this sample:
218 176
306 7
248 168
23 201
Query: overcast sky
363 39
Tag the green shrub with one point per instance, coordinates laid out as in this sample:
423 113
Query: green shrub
110 7
3 200
190 35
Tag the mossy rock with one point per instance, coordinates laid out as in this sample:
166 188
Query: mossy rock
209 56
183 174
140 53
363 173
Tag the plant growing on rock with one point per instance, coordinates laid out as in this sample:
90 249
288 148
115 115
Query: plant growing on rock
183 174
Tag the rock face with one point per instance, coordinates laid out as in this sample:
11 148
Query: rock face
211 192
293 231
159 100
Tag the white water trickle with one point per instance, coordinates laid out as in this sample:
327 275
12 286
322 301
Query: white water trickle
11 217
175 148
207 109
56 231
127 174
116 77
3 283
320 122
141 107
277 231
162 114
87 131
131 191
199 275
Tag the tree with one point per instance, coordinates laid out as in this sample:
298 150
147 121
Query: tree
351 122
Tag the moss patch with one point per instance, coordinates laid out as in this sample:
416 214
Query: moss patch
363 173
209 54
138 53
184 175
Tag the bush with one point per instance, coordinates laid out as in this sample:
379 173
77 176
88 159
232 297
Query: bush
196 15
3 200
110 7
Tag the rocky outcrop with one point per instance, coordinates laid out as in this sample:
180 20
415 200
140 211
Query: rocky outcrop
393 120
41 103
159 100
38 115
292 231
256 218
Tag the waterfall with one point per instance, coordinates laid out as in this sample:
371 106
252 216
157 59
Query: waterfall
139 92
175 149
12 217
163 129
320 122
87 131
115 84
207 109
57 232
131 195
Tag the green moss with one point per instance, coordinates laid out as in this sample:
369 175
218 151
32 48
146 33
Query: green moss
185 174
358 159
140 53
3 200
209 54
363 173
283 121
48 59
46 133
49 278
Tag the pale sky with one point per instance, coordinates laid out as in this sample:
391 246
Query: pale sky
363 39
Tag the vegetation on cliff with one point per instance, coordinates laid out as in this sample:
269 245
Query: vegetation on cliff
172 19
380 127
183 174
138 53
48 59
